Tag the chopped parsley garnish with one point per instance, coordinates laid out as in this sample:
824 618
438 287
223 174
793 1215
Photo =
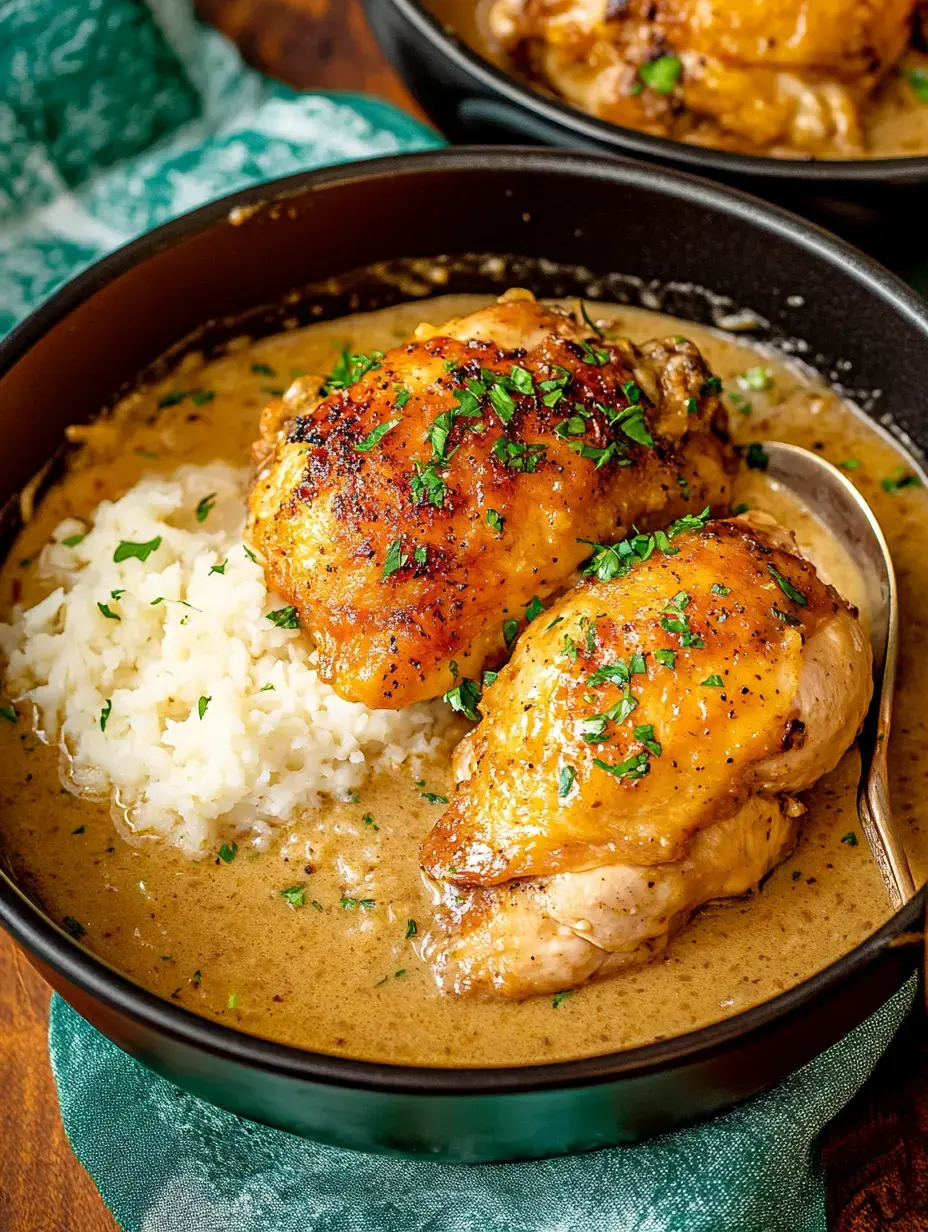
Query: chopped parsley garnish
8 713
554 388
849 464
402 397
284 618
350 368
249 553
634 767
395 559
645 733
232 1002
294 895
375 436
712 386
117 594
78 830
756 458
205 505
202 704
574 426
665 657
631 422
918 80
411 929
759 378
73 540
611 673
510 632
684 486
488 678
534 608
427 484
592 324
516 456
145 453
74 927
850 838
637 665
713 682
350 904
464 698
615 560
228 853
899 479
558 620
421 554
502 403
199 397
570 648
740 403
736 510
495 521
675 620
105 713
316 905
266 688
601 454
565 780
593 355
108 611
220 569
368 820
560 997
171 399
263 370
433 797
692 406
718 589
661 74
784 616
787 587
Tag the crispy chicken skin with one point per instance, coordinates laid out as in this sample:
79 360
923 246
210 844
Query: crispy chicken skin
422 550
750 73
638 756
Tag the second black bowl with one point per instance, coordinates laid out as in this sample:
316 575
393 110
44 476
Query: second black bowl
881 204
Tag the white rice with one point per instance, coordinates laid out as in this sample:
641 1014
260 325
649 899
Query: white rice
258 755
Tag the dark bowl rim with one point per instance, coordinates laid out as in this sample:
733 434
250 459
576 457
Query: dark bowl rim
702 159
95 977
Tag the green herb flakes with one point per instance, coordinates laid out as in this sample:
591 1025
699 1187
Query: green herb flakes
8 713
74 927
899 479
713 682
785 617
376 436
263 370
204 506
105 713
661 74
510 632
495 521
665 657
108 612
516 456
73 540
396 558
228 853
202 704
464 698
634 767
488 678
756 458
284 618
433 797
534 608
560 997
787 586
349 369
411 929
759 378
718 589
220 569
294 895
918 80
565 780
199 397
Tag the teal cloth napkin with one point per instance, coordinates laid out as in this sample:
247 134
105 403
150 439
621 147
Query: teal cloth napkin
116 115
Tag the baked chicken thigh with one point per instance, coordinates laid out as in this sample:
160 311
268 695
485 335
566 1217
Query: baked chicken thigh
750 72
639 755
413 514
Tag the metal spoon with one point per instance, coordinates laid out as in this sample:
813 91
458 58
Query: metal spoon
834 499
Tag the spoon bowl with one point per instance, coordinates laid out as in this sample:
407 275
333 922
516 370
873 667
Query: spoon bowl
833 498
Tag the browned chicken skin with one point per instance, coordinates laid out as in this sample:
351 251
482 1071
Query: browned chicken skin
412 517
756 73
638 756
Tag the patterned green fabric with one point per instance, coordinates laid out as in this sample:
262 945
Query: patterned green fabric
164 1162
116 115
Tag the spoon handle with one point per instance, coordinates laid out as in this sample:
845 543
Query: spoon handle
873 800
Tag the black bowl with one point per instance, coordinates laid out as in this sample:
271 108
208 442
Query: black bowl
879 203
576 220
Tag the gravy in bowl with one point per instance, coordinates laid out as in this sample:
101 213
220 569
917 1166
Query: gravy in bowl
313 937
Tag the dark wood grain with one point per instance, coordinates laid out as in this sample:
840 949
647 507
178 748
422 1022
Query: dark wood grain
309 44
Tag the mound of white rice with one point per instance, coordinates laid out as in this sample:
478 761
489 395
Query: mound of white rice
168 688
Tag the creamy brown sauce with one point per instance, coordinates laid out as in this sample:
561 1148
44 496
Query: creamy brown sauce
894 120
219 938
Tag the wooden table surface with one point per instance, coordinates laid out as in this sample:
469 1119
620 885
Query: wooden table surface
875 1155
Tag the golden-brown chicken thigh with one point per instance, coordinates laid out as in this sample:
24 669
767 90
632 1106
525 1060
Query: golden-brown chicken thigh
788 72
414 515
639 753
